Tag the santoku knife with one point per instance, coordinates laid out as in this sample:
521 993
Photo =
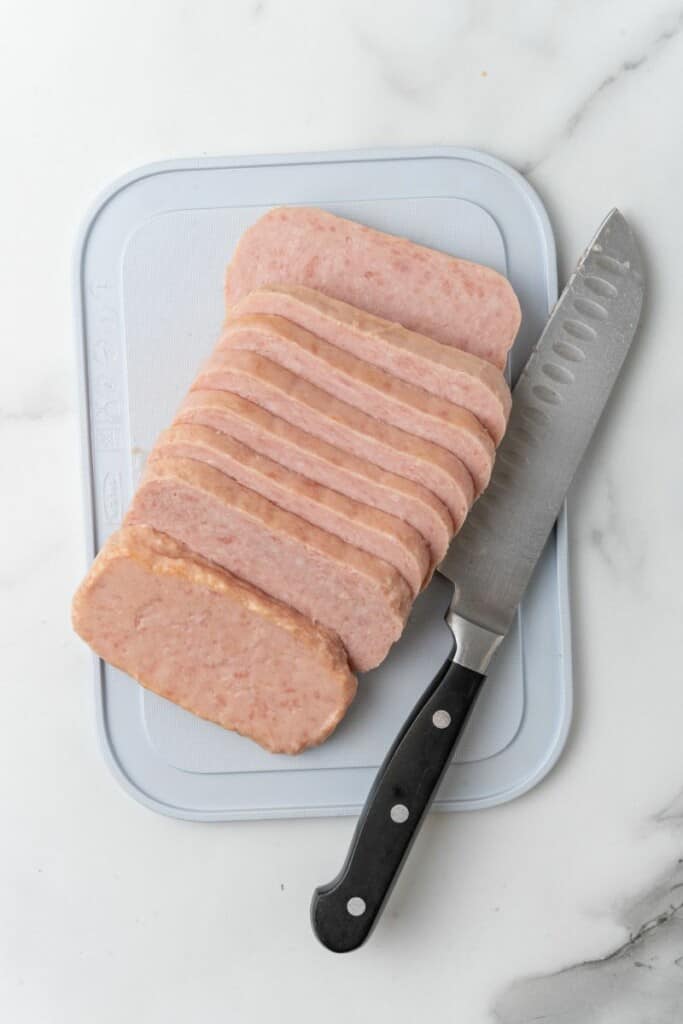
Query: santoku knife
557 402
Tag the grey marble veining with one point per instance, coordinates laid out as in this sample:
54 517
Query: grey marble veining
648 52
638 982
621 545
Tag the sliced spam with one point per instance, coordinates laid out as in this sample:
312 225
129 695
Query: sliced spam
303 453
448 372
362 598
366 387
284 394
356 523
212 643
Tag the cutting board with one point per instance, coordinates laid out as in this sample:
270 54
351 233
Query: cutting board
149 303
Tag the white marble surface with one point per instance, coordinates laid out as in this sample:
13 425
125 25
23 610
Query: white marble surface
561 907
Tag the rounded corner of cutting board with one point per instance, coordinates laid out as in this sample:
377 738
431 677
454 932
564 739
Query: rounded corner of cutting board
531 194
110 192
114 761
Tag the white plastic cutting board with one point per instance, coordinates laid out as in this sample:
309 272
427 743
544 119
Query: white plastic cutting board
149 304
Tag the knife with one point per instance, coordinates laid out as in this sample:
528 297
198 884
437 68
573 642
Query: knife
557 403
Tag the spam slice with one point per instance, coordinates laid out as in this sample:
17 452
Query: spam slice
316 411
445 371
212 643
359 596
367 387
451 300
322 462
356 523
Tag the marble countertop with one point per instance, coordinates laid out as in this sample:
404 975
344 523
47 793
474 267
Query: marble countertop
564 906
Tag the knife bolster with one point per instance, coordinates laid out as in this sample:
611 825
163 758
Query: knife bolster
474 645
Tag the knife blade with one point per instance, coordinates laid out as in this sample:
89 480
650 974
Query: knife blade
557 402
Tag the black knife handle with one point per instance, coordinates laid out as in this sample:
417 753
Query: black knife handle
344 911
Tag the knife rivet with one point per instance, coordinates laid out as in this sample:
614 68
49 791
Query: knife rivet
356 906
399 813
441 719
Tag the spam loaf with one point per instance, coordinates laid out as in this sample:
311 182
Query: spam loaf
313 477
